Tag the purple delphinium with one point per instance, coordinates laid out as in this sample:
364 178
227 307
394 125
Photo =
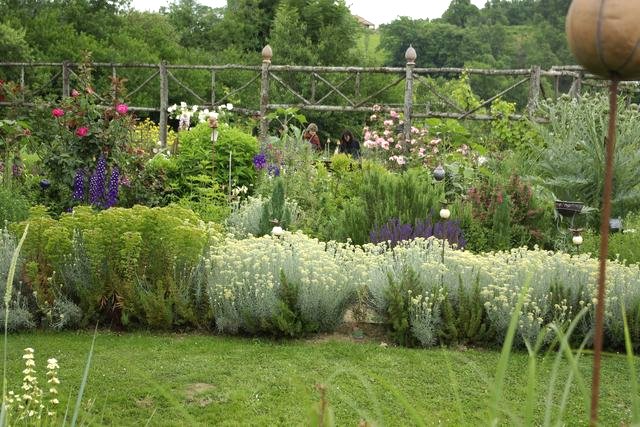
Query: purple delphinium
97 181
78 185
395 232
260 161
273 170
112 194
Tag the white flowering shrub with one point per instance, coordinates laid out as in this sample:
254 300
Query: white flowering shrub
556 285
288 285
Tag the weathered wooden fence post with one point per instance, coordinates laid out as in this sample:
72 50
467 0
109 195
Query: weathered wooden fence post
66 88
213 88
114 82
576 86
22 83
164 103
410 55
534 90
267 54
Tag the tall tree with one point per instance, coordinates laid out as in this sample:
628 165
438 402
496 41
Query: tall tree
461 13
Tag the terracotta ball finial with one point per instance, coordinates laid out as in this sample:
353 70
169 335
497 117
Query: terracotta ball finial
604 36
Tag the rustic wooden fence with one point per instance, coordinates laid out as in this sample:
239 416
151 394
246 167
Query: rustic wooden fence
318 88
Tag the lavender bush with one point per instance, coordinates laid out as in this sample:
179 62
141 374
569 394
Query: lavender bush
395 232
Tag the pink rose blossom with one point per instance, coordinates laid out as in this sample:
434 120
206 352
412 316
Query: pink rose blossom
75 93
393 114
387 133
390 139
421 152
388 123
384 144
414 129
367 135
413 142
57 112
401 160
122 109
398 146
370 144
373 117
82 131
377 108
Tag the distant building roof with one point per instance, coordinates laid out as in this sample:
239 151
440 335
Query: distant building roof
364 22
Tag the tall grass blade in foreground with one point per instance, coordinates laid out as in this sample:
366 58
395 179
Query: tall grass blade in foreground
530 401
503 362
85 375
565 349
635 402
7 299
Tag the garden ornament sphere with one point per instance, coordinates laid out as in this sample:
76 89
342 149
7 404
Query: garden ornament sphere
277 231
44 184
439 173
445 213
604 37
577 240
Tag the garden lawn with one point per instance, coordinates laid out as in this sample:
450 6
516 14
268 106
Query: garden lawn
173 379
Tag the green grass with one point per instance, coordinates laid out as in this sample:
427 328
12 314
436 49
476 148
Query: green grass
206 380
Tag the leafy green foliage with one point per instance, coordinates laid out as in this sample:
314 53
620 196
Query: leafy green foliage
382 195
572 161
399 294
464 319
275 211
511 214
125 267
623 246
195 157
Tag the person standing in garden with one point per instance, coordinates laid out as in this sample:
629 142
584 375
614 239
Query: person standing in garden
311 135
349 145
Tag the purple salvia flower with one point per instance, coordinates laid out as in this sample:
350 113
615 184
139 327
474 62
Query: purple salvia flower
97 181
78 185
112 194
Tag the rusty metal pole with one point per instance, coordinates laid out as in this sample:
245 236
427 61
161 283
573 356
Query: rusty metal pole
604 250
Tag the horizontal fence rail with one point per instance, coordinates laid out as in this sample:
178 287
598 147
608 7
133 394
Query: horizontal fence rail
307 88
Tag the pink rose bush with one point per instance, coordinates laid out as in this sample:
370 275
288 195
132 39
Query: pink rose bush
77 131
384 137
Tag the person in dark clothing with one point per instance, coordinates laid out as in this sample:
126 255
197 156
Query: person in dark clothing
349 145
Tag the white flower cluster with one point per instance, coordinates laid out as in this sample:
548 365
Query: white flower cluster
184 113
30 404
